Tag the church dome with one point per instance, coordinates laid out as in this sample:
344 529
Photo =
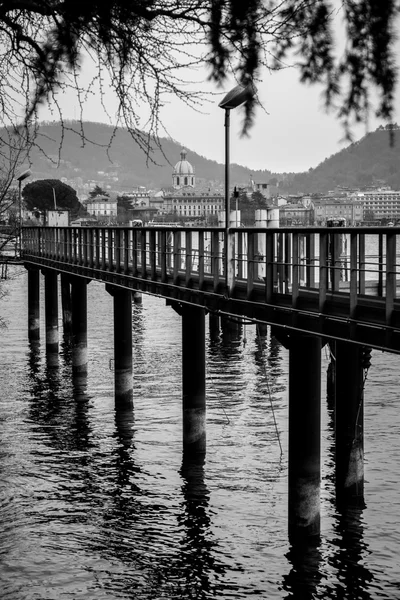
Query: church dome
183 173
183 166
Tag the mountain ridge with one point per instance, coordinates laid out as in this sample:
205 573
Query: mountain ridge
372 160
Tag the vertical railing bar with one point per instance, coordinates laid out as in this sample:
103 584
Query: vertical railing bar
353 274
323 270
361 258
390 276
295 270
177 255
153 254
269 266
380 264
251 243
201 259
215 258
189 258
163 250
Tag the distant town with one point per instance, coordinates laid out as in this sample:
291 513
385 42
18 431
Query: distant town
191 200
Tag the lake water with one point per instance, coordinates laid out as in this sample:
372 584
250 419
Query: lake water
98 505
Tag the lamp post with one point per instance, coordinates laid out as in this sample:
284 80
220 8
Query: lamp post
24 174
234 98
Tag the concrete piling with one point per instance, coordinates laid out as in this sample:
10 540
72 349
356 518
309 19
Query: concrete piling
349 424
51 316
33 304
122 346
66 304
193 379
304 437
79 326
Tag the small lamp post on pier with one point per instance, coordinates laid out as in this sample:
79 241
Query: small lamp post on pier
24 174
234 98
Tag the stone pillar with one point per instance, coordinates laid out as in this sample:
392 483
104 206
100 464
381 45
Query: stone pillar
122 346
51 316
304 437
349 424
79 326
194 379
33 304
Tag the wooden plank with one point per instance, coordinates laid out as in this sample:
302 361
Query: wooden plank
361 262
323 270
177 255
215 258
153 254
117 246
163 256
269 266
201 259
390 276
353 275
188 258
143 260
251 267
295 270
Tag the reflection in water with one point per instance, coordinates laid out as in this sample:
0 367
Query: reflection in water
98 504
354 578
302 581
198 563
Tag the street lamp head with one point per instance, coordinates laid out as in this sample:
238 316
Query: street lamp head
24 174
237 96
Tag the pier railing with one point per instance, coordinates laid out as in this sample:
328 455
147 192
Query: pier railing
351 273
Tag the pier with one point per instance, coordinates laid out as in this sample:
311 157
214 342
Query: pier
312 286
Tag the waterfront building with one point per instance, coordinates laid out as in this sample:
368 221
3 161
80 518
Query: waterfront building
383 203
350 208
295 214
102 207
187 199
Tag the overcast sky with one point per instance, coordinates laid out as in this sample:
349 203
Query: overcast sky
293 133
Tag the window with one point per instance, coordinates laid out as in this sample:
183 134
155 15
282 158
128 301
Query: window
186 181
177 181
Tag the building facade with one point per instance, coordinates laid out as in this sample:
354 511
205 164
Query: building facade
102 207
350 209
188 200
380 204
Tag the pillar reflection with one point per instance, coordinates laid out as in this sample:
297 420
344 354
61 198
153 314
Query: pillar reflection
305 573
198 565
353 577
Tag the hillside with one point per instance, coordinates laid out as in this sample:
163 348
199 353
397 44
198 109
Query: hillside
370 161
122 156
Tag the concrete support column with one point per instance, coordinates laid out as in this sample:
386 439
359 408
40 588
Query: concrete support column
122 346
349 424
194 379
51 315
304 437
33 304
79 326
66 304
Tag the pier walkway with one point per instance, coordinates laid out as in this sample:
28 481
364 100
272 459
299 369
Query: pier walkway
313 286
323 281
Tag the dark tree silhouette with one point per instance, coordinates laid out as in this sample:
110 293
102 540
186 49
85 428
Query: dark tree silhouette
97 191
143 45
47 194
